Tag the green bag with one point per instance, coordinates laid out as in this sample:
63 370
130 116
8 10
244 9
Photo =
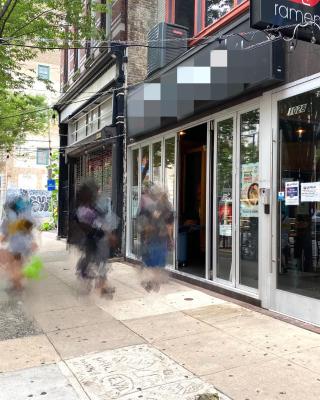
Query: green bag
33 269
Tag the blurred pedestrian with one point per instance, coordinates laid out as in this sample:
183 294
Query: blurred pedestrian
155 224
17 238
91 230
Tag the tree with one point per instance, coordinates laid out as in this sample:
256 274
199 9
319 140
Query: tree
25 24
17 117
54 167
27 28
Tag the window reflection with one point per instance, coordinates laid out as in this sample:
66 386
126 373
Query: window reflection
299 216
156 154
224 198
217 9
145 165
249 198
134 201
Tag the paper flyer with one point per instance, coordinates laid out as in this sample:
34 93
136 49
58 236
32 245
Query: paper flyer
310 192
292 193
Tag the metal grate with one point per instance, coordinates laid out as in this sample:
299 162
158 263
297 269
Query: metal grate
97 165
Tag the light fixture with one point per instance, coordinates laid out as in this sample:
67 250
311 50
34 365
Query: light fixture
181 133
292 47
313 39
300 132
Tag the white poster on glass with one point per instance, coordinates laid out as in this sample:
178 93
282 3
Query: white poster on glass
249 190
310 192
292 193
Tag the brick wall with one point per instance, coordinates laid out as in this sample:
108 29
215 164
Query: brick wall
142 16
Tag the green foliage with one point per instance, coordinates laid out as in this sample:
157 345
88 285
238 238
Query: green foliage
47 226
23 26
54 166
19 108
26 22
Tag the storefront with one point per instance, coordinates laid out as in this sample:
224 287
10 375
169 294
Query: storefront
240 163
258 234
217 236
294 268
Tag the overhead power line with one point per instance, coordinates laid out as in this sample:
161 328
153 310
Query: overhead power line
270 34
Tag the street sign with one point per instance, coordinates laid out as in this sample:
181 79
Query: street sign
51 185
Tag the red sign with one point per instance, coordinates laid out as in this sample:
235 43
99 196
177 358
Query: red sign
310 3
288 14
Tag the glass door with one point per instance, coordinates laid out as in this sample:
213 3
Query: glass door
236 203
249 199
134 197
224 205
150 162
295 288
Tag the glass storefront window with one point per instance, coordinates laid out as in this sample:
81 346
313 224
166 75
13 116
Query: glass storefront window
145 165
134 193
224 198
156 163
249 198
217 9
142 165
170 179
299 209
170 173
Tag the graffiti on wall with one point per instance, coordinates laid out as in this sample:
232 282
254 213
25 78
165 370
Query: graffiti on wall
40 201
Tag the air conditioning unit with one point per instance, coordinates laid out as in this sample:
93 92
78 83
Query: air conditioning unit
166 43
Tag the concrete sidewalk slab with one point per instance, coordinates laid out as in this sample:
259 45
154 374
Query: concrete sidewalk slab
49 284
212 351
210 340
46 382
182 390
190 299
269 334
38 304
137 308
122 293
72 317
93 338
219 312
166 326
274 380
309 359
135 372
26 352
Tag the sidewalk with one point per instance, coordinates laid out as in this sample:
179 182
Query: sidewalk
58 344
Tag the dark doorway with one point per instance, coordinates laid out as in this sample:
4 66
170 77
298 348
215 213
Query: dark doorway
191 247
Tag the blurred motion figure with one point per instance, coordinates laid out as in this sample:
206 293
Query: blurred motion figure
91 232
155 224
17 238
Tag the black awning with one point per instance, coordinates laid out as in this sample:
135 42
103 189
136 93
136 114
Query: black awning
213 74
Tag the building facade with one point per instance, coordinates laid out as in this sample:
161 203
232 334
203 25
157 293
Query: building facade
231 129
91 109
26 166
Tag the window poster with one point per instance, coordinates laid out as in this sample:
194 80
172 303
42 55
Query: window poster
249 190
310 192
292 193
225 214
